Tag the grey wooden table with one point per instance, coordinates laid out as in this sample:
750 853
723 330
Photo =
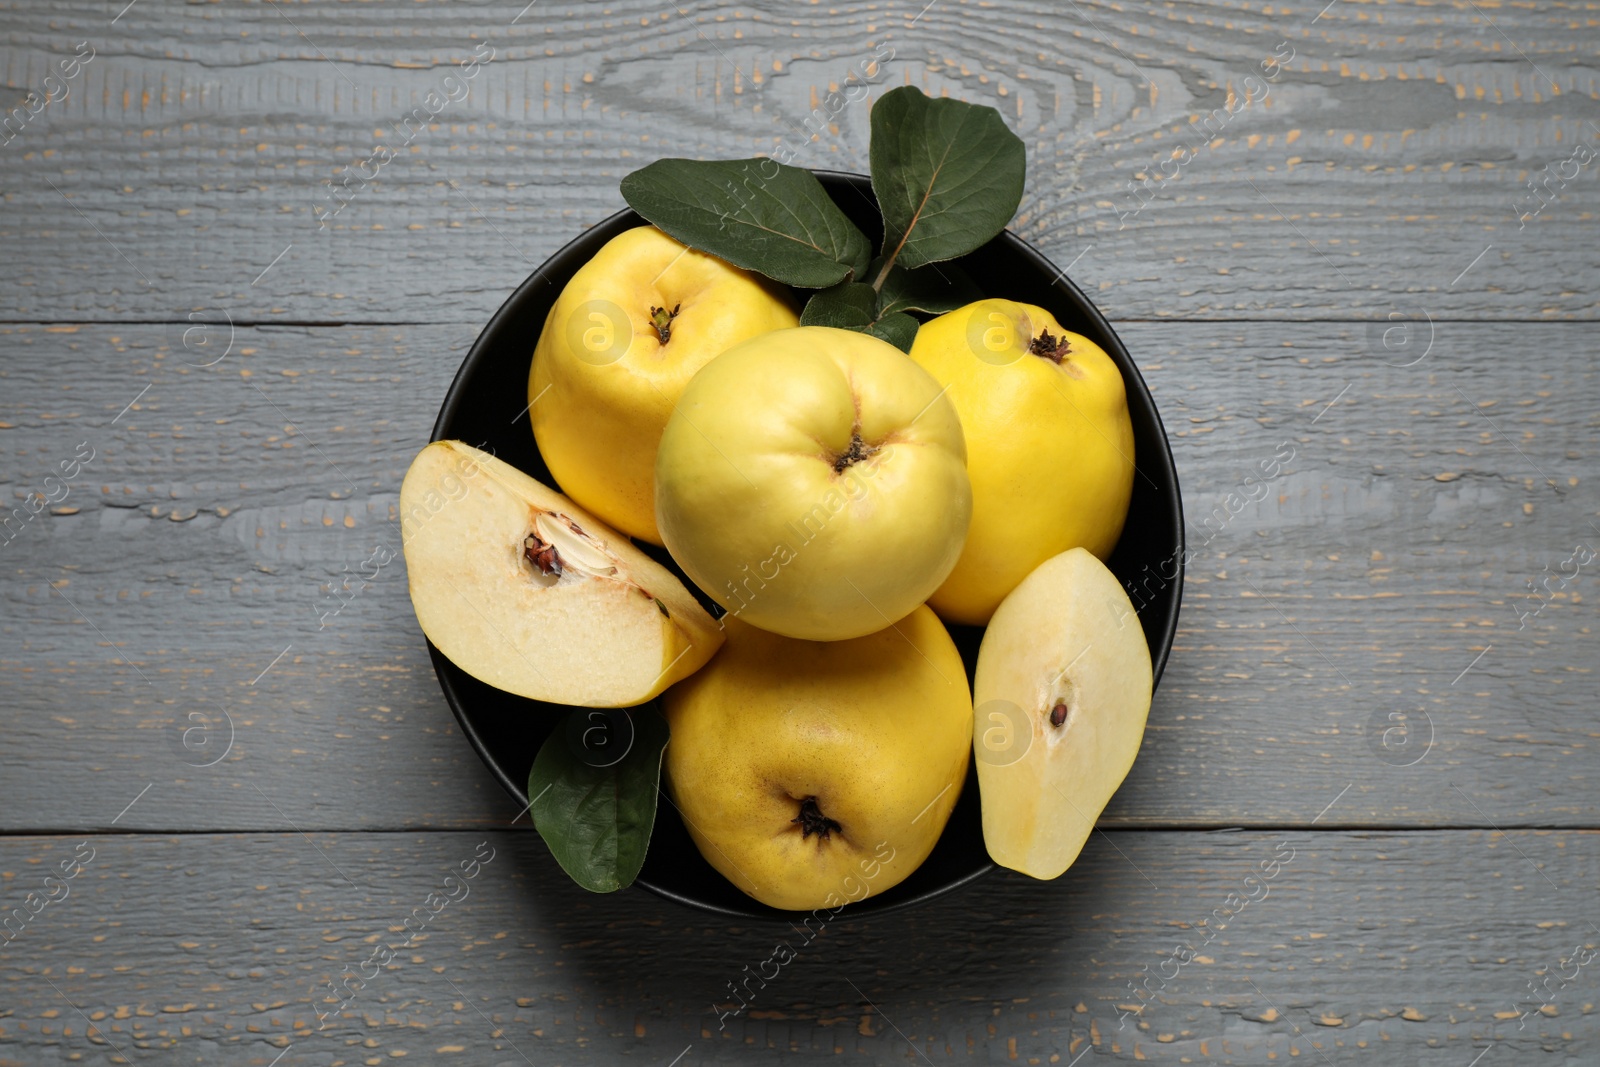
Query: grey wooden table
1384 674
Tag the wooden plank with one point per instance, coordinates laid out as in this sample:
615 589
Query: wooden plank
1384 573
1385 169
219 949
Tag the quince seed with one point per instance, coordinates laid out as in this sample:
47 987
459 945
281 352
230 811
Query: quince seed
541 554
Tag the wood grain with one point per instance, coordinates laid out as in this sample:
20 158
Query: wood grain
1389 154
1352 270
1363 947
1389 556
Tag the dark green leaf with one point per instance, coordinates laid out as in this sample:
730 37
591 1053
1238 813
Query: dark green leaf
847 305
593 805
948 175
755 213
936 288
898 328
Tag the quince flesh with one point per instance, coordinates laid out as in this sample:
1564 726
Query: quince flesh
1062 691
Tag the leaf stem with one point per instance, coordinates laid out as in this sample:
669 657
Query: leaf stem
888 265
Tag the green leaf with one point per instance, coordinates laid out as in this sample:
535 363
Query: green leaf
898 328
848 305
936 288
758 214
594 786
948 175
851 306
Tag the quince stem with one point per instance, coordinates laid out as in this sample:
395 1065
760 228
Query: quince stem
858 451
812 821
1051 348
661 319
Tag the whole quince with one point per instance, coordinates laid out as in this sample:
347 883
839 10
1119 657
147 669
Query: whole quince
1049 445
813 482
625 336
812 774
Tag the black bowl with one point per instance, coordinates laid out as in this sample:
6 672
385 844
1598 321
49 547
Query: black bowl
486 406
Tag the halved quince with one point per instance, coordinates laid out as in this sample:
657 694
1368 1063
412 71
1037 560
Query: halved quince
524 590
1060 696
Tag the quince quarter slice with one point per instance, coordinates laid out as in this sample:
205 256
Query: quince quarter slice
526 591
1061 694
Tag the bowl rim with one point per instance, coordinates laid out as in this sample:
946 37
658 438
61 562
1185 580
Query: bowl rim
1038 261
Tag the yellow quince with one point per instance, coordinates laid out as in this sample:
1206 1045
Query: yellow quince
1049 445
623 339
813 482
811 773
